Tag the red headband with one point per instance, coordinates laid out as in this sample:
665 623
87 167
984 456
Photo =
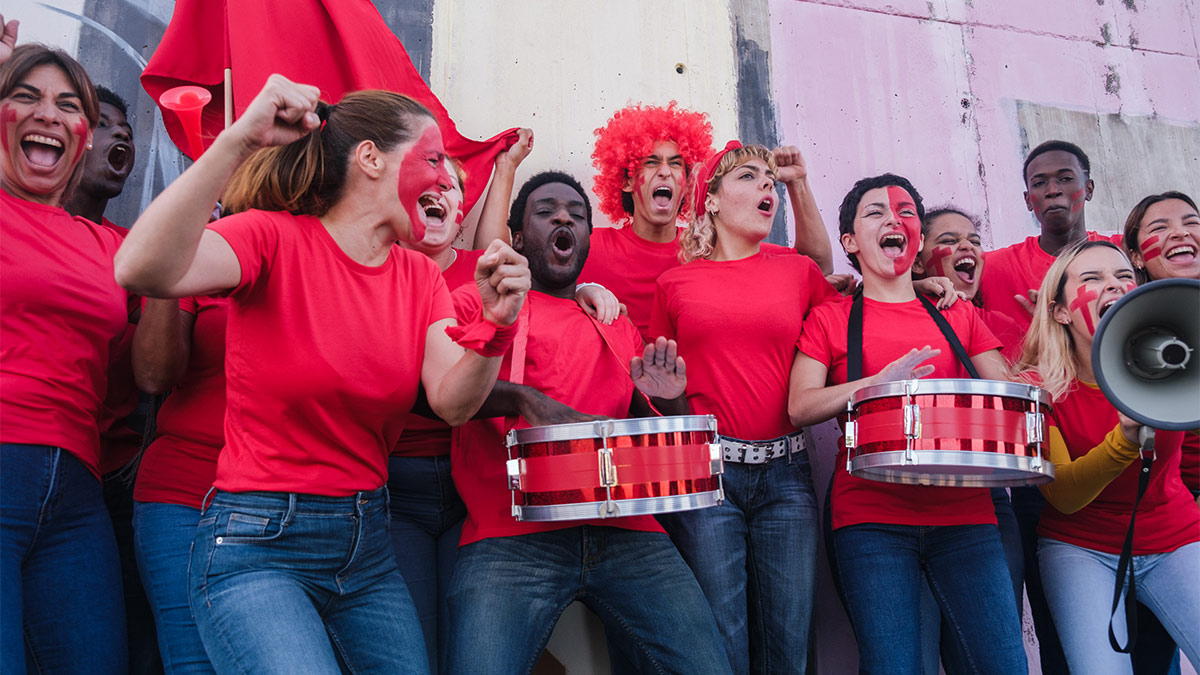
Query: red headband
705 174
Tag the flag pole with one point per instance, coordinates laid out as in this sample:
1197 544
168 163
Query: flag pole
228 97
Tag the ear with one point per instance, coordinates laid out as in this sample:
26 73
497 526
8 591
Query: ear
1089 186
369 159
1029 201
1060 313
1138 261
849 243
712 203
918 267
627 186
518 240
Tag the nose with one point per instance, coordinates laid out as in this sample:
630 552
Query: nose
561 217
46 111
1113 284
664 170
121 135
443 178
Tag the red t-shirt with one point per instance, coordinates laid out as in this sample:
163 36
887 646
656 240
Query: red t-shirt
1167 517
628 265
422 436
1015 270
890 330
323 357
567 360
1007 331
62 314
119 442
737 323
179 466
1189 462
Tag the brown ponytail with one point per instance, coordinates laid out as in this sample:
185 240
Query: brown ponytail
307 176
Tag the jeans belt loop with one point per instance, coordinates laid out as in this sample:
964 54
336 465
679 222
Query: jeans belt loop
291 510
204 503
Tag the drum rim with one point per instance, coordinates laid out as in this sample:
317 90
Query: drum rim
870 466
635 506
962 386
633 426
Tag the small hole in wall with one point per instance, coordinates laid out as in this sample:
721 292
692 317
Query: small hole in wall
679 68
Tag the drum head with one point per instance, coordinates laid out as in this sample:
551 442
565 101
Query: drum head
949 386
608 428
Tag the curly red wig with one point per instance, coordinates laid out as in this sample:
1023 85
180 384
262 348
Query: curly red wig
630 136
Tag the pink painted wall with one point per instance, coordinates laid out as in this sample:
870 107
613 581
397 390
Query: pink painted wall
930 90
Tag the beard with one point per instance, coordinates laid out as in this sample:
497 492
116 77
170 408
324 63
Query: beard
554 277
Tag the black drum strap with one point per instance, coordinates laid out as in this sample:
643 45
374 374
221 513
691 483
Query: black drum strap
854 337
1125 565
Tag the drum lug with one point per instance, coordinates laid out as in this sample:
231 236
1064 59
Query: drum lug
608 470
1033 436
716 459
851 433
510 439
912 421
514 468
516 512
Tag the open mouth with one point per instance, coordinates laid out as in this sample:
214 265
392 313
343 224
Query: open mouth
562 243
766 204
1106 306
1183 254
40 150
965 267
434 211
662 196
119 156
893 244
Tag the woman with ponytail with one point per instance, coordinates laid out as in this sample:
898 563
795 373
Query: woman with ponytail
331 331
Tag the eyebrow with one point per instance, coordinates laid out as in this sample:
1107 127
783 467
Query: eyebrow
34 90
879 204
554 202
756 170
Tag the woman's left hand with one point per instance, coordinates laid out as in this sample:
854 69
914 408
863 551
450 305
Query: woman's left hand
659 371
598 302
941 288
502 276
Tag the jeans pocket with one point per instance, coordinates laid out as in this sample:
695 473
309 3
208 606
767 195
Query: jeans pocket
248 528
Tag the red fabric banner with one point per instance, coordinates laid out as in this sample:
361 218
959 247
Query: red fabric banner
338 46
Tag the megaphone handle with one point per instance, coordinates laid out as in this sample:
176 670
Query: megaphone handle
1146 440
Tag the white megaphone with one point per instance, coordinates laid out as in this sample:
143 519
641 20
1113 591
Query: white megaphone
1145 355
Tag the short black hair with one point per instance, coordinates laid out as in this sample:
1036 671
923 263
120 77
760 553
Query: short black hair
849 205
1051 146
934 214
106 95
516 214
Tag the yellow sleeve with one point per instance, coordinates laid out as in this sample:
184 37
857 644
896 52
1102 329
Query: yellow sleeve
1077 482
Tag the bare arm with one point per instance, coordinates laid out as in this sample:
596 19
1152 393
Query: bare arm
169 253
991 365
810 401
511 400
811 238
162 345
493 218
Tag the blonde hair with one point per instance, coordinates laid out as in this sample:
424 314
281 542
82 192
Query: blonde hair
1048 351
699 240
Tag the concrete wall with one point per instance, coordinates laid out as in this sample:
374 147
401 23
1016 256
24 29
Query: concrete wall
950 93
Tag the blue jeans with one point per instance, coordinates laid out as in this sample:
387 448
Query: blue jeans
60 576
508 593
427 519
885 569
288 583
162 538
755 556
1079 583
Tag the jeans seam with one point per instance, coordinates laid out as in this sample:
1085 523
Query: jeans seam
948 616
628 632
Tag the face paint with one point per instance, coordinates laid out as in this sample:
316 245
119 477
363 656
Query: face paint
1130 286
1151 248
1083 296
81 130
900 200
1077 201
422 171
937 260
7 117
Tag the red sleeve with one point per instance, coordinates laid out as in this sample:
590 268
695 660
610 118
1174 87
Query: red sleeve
820 290
661 321
254 238
814 338
467 303
980 336
442 306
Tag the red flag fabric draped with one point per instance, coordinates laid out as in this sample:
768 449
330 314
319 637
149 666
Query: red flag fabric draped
338 46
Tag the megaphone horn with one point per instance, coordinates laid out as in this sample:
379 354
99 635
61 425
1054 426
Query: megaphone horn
1143 357
187 101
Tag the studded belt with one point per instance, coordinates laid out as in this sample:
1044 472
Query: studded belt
761 452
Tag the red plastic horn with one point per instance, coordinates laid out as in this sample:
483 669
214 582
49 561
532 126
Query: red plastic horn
187 101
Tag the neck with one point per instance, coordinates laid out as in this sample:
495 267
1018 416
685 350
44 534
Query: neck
660 234
729 246
1055 242
1083 362
362 237
444 257
888 289
565 292
86 206
51 199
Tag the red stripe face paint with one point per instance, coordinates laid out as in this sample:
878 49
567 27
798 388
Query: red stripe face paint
1083 296
8 118
81 135
1130 286
937 260
1151 248
422 171
1077 201
904 210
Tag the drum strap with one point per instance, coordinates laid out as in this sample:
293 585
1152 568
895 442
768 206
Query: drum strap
854 337
603 331
1125 565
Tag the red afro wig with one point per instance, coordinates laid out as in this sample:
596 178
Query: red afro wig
630 136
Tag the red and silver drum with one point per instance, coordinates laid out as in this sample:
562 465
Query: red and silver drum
613 468
967 433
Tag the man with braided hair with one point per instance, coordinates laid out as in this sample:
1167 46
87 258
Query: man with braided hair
644 157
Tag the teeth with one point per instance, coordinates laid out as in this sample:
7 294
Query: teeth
892 240
431 207
44 140
965 264
1180 250
765 205
663 191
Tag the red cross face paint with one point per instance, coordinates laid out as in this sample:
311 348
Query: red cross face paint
952 249
938 260
45 133
1083 305
904 211
8 119
1096 279
423 179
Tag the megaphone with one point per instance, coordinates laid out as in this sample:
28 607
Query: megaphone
187 101
1145 355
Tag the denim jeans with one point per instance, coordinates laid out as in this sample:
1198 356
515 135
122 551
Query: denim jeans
755 556
162 538
1079 583
140 628
60 577
508 592
427 518
288 583
884 570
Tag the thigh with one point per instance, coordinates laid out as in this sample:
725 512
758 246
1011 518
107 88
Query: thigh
521 583
1010 539
71 582
970 579
650 601
783 523
1078 584
162 535
882 582
1171 589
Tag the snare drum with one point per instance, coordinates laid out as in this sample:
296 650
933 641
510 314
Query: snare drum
966 433
612 468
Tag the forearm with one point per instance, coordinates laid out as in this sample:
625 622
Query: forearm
1077 482
161 346
493 217
640 406
811 238
463 389
811 405
163 242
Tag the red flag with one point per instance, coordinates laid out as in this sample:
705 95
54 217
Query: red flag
303 41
